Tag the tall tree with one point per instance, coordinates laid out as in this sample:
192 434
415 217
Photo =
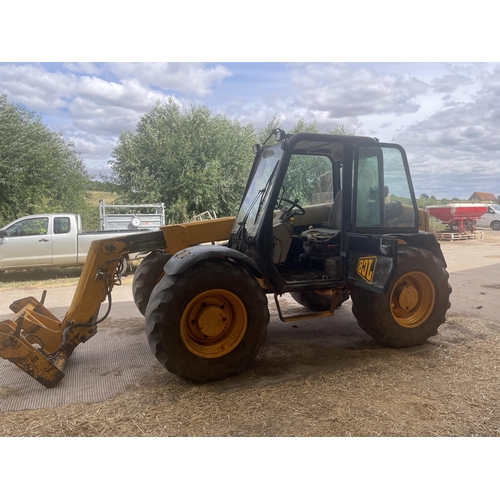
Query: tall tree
39 171
192 161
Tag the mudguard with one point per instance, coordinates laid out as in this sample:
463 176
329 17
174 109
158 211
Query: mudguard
426 241
183 260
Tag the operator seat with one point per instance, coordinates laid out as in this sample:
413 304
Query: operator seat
325 239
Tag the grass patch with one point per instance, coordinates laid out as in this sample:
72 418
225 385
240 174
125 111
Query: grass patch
96 196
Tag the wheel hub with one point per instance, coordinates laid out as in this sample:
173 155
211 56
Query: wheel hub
212 321
408 298
413 299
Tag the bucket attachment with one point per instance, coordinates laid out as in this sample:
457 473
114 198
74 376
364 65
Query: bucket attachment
26 356
31 340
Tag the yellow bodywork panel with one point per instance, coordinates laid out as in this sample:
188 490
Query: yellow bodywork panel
424 220
181 236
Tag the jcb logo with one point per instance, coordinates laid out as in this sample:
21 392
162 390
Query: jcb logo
366 268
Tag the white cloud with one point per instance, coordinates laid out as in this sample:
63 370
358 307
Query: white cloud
345 90
91 146
84 68
457 149
189 78
35 87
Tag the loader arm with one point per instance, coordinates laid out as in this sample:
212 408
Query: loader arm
39 343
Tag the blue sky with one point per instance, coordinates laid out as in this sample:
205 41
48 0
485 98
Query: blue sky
444 114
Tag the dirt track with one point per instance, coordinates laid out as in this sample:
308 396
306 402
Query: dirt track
318 378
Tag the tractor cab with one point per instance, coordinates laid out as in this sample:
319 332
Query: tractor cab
322 210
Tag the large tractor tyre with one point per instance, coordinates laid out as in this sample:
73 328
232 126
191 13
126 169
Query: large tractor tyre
146 277
315 301
495 225
414 306
207 323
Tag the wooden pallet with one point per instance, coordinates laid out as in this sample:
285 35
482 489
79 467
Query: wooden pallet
444 236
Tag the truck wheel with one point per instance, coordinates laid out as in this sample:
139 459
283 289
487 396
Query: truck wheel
146 277
207 323
495 225
414 306
315 301
126 267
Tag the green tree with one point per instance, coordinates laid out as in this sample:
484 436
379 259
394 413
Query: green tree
191 161
39 171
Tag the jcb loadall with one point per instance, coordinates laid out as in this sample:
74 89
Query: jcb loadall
323 217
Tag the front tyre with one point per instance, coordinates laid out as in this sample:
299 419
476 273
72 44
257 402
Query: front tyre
207 323
414 306
495 225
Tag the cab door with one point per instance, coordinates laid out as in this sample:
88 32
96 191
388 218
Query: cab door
28 243
383 205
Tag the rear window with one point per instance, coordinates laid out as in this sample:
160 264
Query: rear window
61 225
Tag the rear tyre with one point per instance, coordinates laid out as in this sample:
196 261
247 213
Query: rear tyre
315 301
495 225
414 306
207 323
146 277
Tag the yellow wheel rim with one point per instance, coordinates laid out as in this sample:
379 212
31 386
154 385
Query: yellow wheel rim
412 299
213 323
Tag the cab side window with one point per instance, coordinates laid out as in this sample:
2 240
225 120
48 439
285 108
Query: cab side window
382 189
29 227
309 180
61 225
368 188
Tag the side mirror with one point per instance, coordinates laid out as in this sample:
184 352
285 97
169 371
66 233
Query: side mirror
3 233
280 135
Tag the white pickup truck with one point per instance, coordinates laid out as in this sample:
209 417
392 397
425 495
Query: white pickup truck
47 240
491 218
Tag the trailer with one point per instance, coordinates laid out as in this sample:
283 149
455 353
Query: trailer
130 217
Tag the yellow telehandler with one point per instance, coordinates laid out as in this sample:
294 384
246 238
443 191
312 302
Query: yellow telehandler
323 217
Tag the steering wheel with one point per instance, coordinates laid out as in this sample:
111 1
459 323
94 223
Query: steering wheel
293 209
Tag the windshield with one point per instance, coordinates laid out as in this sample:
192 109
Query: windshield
496 208
252 207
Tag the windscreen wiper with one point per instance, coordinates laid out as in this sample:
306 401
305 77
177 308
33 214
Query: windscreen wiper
242 232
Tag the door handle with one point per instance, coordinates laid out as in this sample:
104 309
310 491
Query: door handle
43 240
